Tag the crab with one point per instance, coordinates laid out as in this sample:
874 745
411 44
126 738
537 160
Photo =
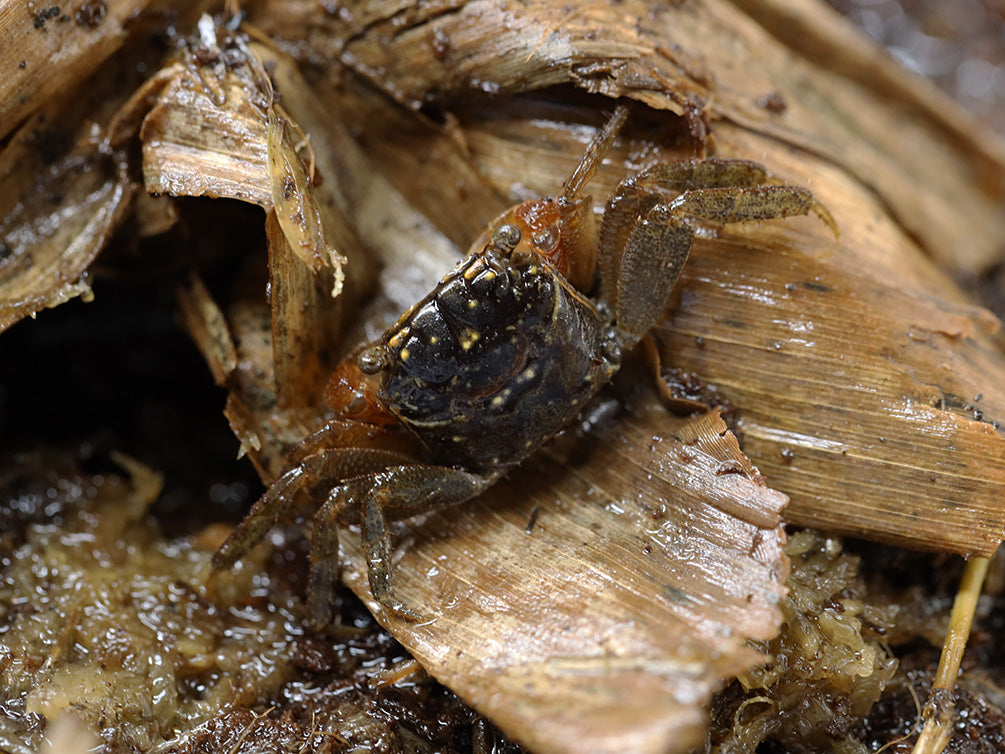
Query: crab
504 352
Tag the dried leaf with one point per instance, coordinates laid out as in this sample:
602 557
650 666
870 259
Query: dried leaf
873 405
47 50
609 621
703 60
63 196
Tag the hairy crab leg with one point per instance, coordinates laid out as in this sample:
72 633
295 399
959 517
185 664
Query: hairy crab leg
329 466
398 492
735 205
595 153
657 248
662 184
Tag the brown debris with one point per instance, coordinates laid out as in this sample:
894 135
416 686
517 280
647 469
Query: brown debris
847 104
57 211
45 53
125 639
64 163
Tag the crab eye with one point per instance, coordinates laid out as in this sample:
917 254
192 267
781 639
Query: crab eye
547 239
356 405
373 360
505 238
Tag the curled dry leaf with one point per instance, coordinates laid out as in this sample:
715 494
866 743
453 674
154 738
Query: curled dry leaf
64 185
65 191
215 129
64 172
598 605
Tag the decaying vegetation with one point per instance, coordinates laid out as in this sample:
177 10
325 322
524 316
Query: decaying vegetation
599 598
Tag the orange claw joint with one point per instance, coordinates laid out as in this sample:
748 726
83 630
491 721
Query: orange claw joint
352 392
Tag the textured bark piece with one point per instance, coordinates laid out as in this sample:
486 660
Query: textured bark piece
874 406
206 133
815 85
49 47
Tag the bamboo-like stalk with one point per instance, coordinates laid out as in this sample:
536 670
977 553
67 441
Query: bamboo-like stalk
938 711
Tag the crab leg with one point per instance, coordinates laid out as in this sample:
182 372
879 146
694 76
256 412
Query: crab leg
346 433
395 493
646 234
736 205
329 467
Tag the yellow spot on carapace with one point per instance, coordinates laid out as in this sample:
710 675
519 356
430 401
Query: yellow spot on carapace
469 338
404 354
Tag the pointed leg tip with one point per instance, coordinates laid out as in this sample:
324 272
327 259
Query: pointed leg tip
824 214
411 615
321 621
